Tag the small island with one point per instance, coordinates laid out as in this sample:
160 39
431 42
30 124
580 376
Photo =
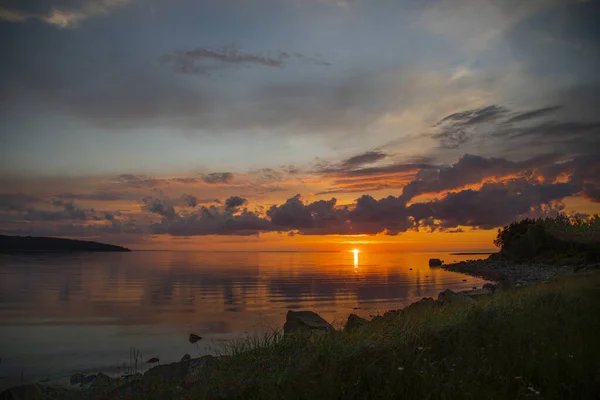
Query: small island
31 244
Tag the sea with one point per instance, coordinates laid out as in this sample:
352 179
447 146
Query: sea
62 314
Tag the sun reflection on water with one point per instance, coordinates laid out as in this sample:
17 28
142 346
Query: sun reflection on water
355 251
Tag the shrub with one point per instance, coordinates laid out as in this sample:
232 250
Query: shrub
551 239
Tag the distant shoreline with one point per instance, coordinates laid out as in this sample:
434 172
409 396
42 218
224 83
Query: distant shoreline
37 245
473 254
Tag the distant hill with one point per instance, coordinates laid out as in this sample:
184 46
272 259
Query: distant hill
26 244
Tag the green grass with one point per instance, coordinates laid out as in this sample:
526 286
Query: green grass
535 342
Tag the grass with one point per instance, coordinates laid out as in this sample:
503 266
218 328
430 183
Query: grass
536 342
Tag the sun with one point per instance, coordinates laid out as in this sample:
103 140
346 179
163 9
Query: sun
355 251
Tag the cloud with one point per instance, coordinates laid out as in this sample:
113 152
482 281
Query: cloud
139 181
476 116
368 157
70 211
540 112
205 61
60 13
234 202
496 204
320 217
16 201
159 206
211 221
218 178
94 196
189 200
471 169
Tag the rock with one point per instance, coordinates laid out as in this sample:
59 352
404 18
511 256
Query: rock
186 357
490 287
435 262
194 338
296 321
23 392
103 381
449 297
423 303
77 378
354 323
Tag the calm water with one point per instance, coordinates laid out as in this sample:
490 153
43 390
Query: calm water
81 313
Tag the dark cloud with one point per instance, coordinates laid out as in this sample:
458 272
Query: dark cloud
218 177
368 157
211 221
470 169
16 201
553 129
189 200
540 112
158 206
476 116
321 217
234 202
139 181
496 204
70 211
452 138
205 61
94 196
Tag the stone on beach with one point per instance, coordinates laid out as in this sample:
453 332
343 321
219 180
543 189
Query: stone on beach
435 262
194 338
298 321
354 323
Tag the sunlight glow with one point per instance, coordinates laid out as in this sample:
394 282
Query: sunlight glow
355 251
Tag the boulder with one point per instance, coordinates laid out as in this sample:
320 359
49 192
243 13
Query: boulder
435 262
298 321
425 302
354 323
103 381
490 287
450 297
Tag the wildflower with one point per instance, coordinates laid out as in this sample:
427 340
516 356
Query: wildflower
420 347
400 368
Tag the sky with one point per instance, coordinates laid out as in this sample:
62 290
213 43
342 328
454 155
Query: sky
296 124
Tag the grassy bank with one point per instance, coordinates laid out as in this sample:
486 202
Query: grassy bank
534 342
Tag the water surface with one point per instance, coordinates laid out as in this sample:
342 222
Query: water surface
61 314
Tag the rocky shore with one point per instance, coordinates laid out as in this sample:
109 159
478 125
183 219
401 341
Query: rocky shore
510 273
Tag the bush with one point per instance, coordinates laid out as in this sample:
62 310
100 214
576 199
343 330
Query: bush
551 239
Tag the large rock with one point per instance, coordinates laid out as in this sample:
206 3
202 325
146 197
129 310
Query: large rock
450 297
425 302
354 323
435 262
302 321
